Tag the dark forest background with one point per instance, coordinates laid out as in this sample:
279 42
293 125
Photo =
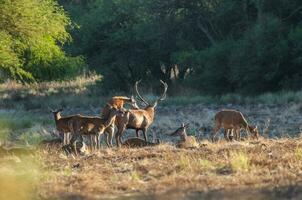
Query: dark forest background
198 46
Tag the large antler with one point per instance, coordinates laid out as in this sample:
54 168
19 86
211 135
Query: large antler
139 96
163 96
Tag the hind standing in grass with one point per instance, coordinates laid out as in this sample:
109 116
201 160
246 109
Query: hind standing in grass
235 121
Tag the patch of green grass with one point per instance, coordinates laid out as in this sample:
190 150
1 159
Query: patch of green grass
205 164
31 138
298 153
22 125
19 177
135 176
239 161
189 163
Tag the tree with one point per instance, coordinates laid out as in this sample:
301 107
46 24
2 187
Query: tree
32 33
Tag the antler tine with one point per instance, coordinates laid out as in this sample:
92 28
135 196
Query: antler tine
163 96
138 94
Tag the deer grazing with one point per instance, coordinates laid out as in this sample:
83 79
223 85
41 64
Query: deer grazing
63 124
138 119
94 126
185 140
116 102
235 121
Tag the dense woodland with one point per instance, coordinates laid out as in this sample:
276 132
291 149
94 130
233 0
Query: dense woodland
203 46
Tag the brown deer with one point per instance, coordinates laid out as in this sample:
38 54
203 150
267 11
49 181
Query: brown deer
94 126
235 121
116 102
63 125
138 142
138 119
185 140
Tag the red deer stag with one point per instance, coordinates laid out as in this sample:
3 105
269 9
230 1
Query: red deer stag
235 121
138 119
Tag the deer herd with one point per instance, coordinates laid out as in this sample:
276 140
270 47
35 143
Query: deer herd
114 115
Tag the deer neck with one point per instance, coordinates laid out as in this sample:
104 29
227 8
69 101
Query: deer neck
183 136
245 124
110 119
150 111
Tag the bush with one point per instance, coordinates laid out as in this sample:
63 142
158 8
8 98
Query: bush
58 69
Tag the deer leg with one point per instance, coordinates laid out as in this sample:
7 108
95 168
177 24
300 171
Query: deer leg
239 134
99 140
117 138
214 133
226 134
231 134
64 138
107 140
69 137
118 135
91 143
75 144
145 134
95 137
110 136
137 132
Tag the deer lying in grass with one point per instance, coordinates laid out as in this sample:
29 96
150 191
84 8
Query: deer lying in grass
138 119
235 121
63 124
138 142
94 126
185 140
116 102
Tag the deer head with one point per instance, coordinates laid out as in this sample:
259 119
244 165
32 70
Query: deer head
161 98
56 111
254 132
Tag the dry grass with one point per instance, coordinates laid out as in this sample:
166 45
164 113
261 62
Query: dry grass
155 170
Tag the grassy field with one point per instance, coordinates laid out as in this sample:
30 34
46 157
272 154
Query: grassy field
270 168
267 169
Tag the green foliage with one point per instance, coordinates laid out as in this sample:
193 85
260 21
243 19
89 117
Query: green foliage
31 35
59 68
212 47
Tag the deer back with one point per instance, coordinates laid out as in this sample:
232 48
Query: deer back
230 119
140 118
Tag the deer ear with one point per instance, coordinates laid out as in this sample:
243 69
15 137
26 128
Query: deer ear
187 124
182 124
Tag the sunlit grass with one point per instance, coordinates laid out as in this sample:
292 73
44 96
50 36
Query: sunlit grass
239 161
26 127
18 177
298 153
